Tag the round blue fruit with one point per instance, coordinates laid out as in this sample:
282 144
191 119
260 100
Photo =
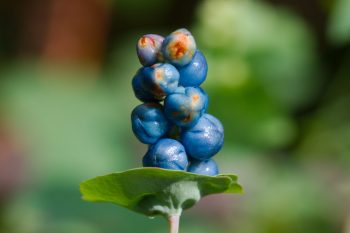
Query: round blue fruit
166 153
160 79
206 167
194 73
148 49
185 106
149 123
179 47
140 92
204 139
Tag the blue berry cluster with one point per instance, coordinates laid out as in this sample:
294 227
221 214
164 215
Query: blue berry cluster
173 119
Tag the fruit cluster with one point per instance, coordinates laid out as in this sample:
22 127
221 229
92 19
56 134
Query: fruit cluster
173 119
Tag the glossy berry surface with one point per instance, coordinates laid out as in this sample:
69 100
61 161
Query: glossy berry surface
206 167
194 73
179 47
177 130
205 139
160 79
140 92
149 49
149 123
167 154
185 106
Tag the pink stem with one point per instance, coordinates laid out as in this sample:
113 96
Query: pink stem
174 222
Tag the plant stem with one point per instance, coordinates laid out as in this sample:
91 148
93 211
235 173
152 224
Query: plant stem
174 222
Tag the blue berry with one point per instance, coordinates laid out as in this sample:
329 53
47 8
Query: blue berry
194 73
140 92
185 106
149 123
160 79
173 69
205 139
166 153
179 47
206 167
149 49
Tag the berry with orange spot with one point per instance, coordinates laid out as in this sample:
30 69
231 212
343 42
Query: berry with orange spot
148 49
160 79
185 106
204 139
179 47
149 123
173 69
194 73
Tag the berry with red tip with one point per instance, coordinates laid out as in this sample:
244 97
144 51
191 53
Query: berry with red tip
160 79
185 106
149 49
179 47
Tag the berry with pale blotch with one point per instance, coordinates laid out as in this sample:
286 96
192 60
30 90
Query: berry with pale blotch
160 79
179 47
185 106
177 130
149 49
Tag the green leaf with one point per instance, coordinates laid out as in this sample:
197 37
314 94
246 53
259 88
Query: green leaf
155 191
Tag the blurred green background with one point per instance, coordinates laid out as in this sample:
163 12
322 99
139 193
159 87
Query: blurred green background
279 80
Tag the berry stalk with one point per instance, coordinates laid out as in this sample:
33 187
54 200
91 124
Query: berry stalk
174 223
